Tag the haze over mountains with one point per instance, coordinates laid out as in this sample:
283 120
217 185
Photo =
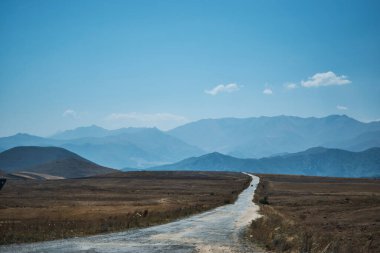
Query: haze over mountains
126 147
315 161
92 131
243 138
265 136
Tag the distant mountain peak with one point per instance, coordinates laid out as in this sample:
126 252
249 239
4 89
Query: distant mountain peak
316 149
90 127
24 135
93 126
214 154
340 117
81 132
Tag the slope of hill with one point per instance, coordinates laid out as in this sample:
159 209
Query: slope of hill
209 162
71 168
32 175
315 161
265 136
49 160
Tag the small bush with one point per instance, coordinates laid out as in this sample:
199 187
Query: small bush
264 200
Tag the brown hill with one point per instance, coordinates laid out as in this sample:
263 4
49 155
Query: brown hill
49 160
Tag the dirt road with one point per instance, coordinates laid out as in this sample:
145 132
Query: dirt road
218 230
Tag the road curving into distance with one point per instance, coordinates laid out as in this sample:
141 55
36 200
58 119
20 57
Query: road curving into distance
217 230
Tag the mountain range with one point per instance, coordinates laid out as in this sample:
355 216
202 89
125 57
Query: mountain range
48 161
127 147
315 161
266 136
255 137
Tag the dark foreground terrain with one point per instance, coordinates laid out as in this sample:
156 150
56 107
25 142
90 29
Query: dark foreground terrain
318 214
36 210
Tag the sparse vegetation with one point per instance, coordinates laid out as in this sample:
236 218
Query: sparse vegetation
264 200
315 214
36 210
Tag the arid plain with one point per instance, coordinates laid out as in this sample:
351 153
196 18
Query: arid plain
37 210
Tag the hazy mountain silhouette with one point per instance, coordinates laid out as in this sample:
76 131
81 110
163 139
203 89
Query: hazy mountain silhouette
265 136
81 132
245 138
360 142
92 131
126 147
139 148
49 160
22 139
315 161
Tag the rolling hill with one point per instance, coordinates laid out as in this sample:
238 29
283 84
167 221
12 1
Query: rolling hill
315 161
49 160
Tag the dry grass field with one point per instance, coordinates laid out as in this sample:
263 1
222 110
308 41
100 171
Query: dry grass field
36 210
318 214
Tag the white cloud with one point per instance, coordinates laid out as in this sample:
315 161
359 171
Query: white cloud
290 86
223 88
325 79
137 119
267 91
70 113
341 107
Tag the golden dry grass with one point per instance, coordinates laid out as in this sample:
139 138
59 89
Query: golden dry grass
35 210
316 214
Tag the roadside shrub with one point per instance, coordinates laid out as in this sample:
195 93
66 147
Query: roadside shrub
264 200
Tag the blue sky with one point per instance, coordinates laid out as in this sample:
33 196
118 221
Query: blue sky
114 63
